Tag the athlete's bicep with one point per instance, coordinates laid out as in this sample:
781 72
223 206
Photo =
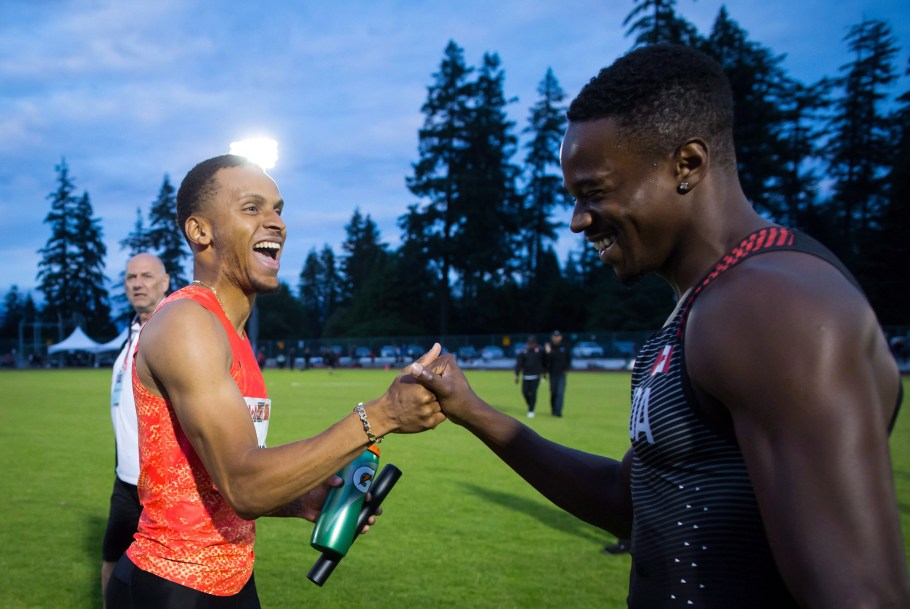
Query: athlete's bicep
785 354
189 357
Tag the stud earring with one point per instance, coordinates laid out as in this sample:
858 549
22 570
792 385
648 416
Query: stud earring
683 188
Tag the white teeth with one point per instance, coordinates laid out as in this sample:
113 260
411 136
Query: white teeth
268 245
601 244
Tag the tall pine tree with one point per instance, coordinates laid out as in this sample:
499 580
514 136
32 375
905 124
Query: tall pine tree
656 21
759 87
375 298
799 181
860 136
56 269
138 240
488 206
71 269
320 289
364 254
437 178
889 288
165 236
544 191
90 293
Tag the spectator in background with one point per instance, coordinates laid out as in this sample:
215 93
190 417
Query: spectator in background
145 284
529 366
558 360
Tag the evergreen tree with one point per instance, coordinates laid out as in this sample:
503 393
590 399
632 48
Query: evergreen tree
71 270
469 209
363 254
56 269
417 282
374 303
139 240
281 316
166 237
437 174
611 305
488 206
799 179
544 190
320 288
13 310
89 285
860 132
760 88
19 315
380 306
332 284
889 276
311 295
656 21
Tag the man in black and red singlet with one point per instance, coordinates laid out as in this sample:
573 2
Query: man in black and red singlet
758 474
203 409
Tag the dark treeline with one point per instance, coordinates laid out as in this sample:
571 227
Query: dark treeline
830 157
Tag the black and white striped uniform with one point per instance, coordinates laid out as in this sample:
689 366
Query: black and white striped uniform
698 538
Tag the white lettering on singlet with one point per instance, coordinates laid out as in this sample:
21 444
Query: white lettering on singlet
639 422
260 410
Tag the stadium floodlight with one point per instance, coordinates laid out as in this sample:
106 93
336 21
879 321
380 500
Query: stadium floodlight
261 150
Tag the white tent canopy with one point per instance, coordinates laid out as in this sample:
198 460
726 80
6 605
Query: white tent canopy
77 341
115 344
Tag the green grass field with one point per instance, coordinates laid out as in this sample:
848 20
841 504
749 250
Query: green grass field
459 529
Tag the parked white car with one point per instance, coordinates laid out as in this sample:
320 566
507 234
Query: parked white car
491 352
587 349
467 353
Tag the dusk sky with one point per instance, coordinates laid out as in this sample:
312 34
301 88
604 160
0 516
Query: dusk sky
127 92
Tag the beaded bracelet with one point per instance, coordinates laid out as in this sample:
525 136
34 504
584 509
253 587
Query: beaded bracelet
362 413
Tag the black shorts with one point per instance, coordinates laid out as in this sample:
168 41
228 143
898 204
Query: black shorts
132 588
122 521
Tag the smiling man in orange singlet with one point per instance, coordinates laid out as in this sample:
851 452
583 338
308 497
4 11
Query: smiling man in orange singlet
203 409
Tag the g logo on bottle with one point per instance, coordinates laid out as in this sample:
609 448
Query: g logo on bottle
363 478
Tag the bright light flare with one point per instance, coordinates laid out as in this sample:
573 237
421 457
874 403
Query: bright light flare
261 150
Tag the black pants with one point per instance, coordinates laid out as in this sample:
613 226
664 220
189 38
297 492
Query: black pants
132 588
529 390
122 521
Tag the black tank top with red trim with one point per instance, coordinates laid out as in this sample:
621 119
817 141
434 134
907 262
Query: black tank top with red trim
698 538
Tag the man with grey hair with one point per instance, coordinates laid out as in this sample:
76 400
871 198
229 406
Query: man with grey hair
145 283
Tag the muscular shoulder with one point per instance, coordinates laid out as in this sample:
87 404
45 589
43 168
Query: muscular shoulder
183 336
775 325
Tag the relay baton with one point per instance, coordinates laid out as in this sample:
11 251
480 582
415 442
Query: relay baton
381 487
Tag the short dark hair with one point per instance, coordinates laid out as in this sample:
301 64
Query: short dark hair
661 94
198 187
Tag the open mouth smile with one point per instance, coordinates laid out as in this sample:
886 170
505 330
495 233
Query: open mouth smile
269 252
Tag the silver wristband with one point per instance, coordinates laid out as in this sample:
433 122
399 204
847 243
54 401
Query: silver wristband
362 413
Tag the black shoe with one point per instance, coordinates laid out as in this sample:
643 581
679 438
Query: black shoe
622 546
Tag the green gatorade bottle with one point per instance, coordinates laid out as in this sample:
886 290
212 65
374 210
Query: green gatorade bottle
336 528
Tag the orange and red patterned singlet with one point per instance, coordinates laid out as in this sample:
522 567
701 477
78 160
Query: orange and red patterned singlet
188 534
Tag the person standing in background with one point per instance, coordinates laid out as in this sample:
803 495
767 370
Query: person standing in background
557 362
529 366
145 284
